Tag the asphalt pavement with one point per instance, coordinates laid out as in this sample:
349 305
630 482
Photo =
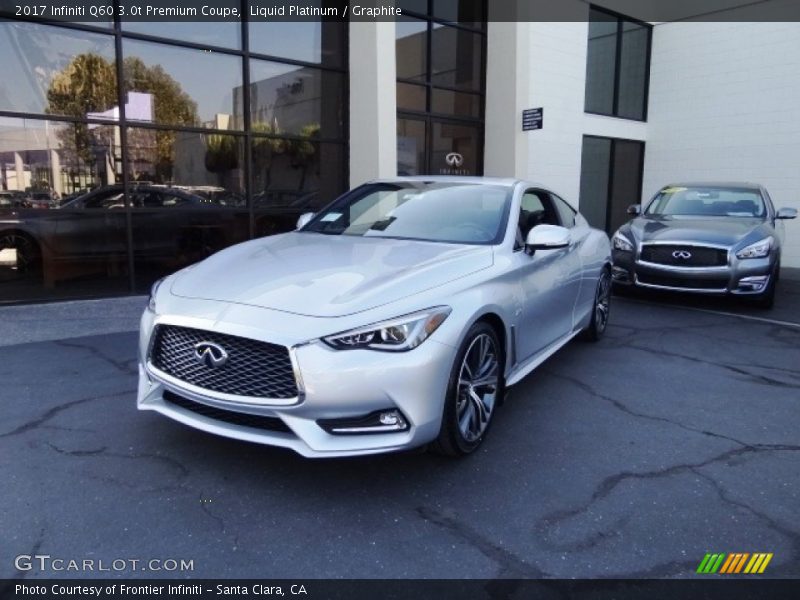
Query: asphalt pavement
675 436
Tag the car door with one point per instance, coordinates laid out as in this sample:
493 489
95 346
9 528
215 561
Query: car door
550 279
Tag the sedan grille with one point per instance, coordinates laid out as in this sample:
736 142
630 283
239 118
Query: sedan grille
687 283
253 368
684 255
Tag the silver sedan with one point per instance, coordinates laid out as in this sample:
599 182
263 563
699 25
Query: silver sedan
704 238
393 318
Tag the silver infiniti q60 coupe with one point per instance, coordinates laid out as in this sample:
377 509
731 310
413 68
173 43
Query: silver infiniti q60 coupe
706 238
393 318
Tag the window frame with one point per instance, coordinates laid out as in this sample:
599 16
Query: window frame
621 20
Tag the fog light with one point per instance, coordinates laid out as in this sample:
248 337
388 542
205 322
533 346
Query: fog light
753 284
381 421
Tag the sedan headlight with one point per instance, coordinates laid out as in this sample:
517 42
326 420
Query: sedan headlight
395 335
758 250
620 242
151 301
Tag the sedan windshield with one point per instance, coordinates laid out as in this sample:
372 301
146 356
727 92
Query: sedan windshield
457 213
708 202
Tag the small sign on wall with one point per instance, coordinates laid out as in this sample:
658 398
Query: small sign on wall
532 119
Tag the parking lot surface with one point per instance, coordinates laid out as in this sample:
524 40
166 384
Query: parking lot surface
675 436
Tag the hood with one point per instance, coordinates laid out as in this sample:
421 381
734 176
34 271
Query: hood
725 231
327 275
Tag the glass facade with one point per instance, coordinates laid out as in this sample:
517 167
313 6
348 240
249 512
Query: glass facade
440 54
129 150
617 65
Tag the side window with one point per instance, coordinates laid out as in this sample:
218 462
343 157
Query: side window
565 212
535 209
113 198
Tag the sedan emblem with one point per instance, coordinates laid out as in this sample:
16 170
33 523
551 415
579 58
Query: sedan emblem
210 354
454 159
682 254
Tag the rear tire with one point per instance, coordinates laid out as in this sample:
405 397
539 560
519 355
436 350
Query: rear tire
474 391
601 309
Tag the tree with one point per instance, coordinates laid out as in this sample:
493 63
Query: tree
265 149
304 151
89 84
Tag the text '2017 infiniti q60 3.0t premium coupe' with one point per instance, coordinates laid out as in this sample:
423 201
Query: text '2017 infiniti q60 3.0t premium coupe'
393 318
706 238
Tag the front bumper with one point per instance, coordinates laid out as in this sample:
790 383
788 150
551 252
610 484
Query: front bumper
739 277
333 384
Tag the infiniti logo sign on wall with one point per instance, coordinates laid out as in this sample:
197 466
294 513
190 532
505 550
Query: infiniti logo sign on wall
454 159
210 354
454 162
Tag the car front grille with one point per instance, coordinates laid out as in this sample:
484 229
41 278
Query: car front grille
684 255
688 283
228 416
254 369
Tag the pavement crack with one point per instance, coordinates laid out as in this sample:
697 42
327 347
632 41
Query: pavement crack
754 377
219 520
124 366
5 586
180 469
639 415
792 535
610 483
52 412
78 452
510 565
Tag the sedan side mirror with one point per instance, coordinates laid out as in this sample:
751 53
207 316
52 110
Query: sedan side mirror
304 219
635 210
547 237
786 213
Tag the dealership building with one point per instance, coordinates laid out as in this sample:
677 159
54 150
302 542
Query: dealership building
131 149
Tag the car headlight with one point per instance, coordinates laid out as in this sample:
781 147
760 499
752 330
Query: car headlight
151 301
758 250
395 335
620 242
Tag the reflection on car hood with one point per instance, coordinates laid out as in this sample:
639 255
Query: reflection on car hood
725 231
327 276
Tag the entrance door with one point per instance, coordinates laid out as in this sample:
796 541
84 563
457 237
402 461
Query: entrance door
611 180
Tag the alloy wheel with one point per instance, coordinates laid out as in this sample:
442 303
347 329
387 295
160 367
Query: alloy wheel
478 382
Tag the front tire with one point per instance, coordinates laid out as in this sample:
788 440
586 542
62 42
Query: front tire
474 391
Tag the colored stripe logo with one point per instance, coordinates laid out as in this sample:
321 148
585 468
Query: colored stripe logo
736 562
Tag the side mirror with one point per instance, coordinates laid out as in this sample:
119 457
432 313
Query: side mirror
786 213
635 210
547 237
304 219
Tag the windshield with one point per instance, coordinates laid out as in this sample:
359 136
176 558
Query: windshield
708 202
437 212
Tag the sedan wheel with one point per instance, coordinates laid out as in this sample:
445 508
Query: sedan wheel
476 387
28 256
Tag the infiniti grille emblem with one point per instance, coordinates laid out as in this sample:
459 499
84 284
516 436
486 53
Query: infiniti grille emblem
210 354
682 254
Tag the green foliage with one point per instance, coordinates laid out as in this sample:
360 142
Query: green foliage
89 84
